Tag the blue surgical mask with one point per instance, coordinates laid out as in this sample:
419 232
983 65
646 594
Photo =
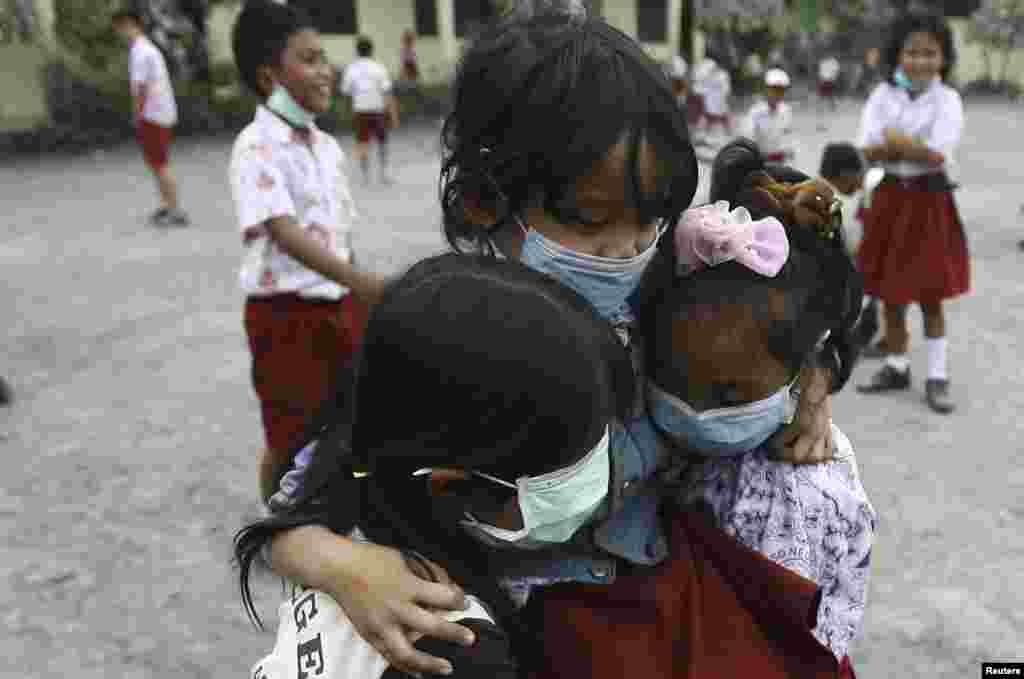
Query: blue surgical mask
554 506
732 430
605 282
283 104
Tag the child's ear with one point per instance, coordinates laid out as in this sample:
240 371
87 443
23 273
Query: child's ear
475 212
265 80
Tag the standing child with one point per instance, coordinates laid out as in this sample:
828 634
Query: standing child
715 85
155 112
828 86
843 170
914 248
295 214
770 121
373 105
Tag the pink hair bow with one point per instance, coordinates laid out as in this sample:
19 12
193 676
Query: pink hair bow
712 234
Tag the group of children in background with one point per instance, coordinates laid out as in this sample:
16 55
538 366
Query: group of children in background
911 245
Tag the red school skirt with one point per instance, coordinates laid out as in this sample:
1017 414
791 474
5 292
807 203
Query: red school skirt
914 248
714 609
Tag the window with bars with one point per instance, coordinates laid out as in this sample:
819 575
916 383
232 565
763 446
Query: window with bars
651 20
426 17
331 16
471 13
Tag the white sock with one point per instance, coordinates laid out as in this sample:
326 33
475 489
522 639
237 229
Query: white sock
898 362
936 358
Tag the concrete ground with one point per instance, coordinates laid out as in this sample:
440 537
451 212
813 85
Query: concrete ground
132 444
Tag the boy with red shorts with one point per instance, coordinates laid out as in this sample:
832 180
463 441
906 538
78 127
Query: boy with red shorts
374 107
305 301
154 110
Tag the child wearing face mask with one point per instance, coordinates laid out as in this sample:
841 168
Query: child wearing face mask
537 420
914 248
305 300
746 290
554 394
582 198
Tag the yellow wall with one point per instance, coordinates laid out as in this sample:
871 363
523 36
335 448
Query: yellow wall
23 105
971 64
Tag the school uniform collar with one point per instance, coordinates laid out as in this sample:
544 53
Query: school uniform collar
917 96
279 129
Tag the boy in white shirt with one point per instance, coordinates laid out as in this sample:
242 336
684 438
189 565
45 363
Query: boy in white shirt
306 303
714 85
374 106
828 85
154 110
769 123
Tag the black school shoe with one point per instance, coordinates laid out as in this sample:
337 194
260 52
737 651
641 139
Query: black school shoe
6 393
936 395
887 378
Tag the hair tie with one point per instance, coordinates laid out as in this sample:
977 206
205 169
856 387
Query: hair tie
712 234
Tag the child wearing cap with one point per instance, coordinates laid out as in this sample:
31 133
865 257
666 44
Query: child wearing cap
769 123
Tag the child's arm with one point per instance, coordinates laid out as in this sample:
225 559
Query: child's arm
384 600
808 439
293 239
899 146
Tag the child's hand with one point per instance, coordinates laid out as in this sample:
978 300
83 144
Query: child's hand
808 439
368 286
391 607
897 139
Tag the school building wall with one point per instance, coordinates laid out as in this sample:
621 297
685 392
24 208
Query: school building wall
971 60
22 78
385 20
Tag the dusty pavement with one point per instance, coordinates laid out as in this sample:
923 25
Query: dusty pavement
130 450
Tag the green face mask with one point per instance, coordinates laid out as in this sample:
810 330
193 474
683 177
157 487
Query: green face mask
554 506
283 104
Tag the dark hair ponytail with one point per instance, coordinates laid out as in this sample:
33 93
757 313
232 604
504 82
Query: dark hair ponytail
821 284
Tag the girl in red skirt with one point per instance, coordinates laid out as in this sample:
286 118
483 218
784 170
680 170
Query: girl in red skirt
914 249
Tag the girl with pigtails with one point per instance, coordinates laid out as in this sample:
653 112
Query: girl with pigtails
567 152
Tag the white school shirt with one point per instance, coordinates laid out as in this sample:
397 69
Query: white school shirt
936 117
771 130
146 67
274 174
367 82
316 639
828 69
715 88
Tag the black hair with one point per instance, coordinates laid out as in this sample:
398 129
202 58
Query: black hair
539 99
822 287
840 159
468 362
364 46
130 13
919 22
261 34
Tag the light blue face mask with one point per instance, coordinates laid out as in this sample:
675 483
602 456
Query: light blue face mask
902 80
554 506
722 431
283 104
605 282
